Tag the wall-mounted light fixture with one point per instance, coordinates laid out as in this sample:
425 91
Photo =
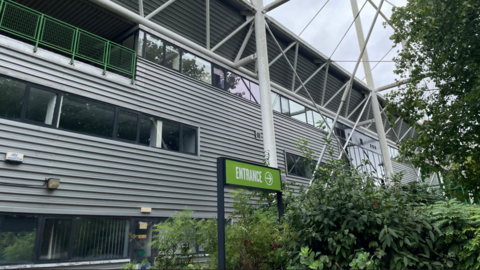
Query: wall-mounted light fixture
52 183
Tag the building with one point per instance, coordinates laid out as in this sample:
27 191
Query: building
130 107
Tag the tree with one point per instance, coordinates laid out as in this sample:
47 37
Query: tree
441 46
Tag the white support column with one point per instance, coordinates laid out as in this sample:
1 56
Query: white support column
245 42
269 144
375 105
207 23
272 5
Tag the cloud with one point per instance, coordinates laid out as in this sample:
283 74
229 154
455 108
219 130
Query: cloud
328 28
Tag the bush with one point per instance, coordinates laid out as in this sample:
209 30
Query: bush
460 224
345 213
251 240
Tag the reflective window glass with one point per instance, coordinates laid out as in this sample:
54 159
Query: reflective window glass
55 239
276 102
171 135
142 247
100 238
196 67
237 86
299 166
146 130
297 111
172 57
17 238
41 106
218 78
127 126
285 107
86 116
320 123
12 93
189 139
154 49
255 92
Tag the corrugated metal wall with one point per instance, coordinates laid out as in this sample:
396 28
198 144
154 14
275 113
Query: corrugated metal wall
106 177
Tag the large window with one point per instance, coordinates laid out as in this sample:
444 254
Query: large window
17 238
40 106
162 53
299 166
196 67
86 116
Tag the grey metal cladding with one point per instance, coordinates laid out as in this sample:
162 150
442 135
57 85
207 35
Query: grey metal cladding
111 178
408 171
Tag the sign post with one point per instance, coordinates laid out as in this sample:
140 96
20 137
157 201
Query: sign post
237 173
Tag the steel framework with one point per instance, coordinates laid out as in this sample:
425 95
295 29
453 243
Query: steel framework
257 22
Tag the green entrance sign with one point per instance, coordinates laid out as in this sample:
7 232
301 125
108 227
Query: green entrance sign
253 176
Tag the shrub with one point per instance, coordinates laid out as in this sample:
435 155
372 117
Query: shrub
344 212
460 224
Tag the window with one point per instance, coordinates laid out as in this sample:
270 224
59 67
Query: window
393 152
172 57
218 77
12 94
196 67
276 102
297 111
17 238
177 137
127 126
41 106
86 116
285 106
140 42
154 49
100 238
310 120
236 86
318 120
297 165
55 239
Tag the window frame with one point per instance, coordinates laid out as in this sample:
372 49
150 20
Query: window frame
303 158
116 111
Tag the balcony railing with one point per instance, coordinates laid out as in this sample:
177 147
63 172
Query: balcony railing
49 32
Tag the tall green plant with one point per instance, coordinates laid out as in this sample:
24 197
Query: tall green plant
460 224
344 212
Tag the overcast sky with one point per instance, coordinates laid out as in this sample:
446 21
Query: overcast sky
326 31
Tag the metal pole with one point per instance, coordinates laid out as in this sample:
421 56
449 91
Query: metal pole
207 22
244 44
269 145
282 52
156 11
140 8
232 34
221 212
295 65
368 74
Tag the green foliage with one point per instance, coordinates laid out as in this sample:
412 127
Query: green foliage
440 46
17 247
344 212
460 227
306 260
175 241
251 240
133 265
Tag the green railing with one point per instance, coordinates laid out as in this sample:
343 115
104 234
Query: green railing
49 32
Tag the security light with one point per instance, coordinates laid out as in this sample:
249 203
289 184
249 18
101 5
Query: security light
52 183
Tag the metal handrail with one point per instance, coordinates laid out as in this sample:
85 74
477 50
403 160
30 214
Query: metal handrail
46 31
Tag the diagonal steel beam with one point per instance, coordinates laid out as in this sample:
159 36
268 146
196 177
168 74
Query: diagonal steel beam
311 76
156 11
338 91
281 53
295 65
356 123
325 82
245 42
274 5
331 132
358 106
249 20
406 132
